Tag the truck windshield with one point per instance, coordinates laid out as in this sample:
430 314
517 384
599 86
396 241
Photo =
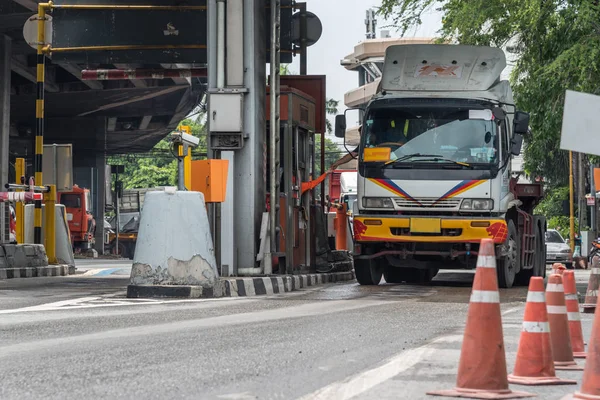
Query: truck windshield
431 135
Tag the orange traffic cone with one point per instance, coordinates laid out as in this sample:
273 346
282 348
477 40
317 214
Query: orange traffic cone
558 268
535 365
590 386
482 368
573 314
559 325
591 295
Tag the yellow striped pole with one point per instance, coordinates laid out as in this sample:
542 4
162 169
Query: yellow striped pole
39 121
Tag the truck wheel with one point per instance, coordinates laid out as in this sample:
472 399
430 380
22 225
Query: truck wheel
367 272
539 260
508 265
394 274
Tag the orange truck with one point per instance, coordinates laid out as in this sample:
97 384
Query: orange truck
82 224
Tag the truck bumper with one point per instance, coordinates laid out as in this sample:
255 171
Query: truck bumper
368 229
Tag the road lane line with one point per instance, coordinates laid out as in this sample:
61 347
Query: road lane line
362 382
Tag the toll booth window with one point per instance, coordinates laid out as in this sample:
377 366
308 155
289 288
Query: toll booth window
70 200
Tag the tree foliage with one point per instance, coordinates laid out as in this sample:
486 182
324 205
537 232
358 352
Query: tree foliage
158 167
556 45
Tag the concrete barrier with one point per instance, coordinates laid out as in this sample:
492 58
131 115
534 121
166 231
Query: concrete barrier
174 254
64 247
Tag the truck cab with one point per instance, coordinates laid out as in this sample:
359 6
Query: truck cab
434 171
81 222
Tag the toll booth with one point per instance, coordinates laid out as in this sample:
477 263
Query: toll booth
298 116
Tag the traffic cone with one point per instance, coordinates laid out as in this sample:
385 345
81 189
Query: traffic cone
573 314
535 365
591 295
558 268
590 386
482 368
559 325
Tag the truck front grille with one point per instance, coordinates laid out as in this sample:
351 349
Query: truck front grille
427 203
407 232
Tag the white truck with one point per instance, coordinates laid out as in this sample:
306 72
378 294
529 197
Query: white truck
434 170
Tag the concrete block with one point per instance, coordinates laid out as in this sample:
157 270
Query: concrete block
24 256
64 247
174 245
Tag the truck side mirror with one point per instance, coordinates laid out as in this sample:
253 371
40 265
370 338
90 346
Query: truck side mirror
521 123
516 144
340 125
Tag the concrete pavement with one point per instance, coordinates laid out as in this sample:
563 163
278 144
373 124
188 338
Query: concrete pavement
338 341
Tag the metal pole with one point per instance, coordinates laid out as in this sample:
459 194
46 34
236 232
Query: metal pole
593 193
571 211
39 119
50 224
274 124
117 196
303 34
180 170
220 44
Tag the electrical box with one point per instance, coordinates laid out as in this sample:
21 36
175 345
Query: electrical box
57 166
226 120
226 112
210 178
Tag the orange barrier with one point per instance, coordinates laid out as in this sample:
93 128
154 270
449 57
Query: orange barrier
535 365
573 314
482 368
310 185
559 325
590 386
591 294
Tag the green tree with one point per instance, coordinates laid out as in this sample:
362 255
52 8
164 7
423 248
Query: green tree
159 166
556 47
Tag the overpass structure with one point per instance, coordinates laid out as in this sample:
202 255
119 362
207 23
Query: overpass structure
99 117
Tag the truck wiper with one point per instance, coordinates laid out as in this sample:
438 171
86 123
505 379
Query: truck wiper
407 157
464 164
432 157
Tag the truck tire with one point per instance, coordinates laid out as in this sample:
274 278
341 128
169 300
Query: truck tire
539 260
394 274
509 264
367 272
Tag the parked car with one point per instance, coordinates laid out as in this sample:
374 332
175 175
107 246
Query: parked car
557 249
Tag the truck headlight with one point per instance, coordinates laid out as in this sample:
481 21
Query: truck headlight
477 204
377 202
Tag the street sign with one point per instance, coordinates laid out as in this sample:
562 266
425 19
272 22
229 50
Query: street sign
144 37
117 169
314 29
580 123
30 31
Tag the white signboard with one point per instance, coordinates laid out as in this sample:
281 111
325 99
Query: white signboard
580 128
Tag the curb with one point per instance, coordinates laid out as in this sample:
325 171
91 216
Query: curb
36 272
240 287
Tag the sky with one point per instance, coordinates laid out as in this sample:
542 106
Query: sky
343 28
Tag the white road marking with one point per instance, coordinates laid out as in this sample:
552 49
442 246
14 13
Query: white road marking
364 381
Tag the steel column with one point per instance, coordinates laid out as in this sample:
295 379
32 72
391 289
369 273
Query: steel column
249 178
5 62
275 124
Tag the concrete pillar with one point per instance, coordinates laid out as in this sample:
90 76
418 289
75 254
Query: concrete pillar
100 194
5 57
249 177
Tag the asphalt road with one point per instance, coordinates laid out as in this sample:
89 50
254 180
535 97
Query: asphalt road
81 338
